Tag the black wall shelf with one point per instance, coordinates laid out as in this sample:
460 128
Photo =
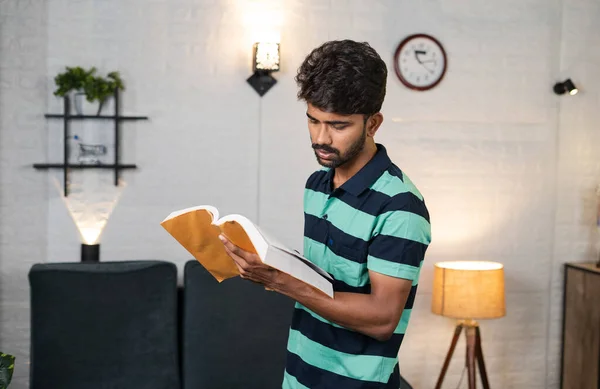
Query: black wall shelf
67 118
97 117
81 166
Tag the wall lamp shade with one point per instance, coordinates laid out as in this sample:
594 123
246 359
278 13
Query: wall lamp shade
566 86
265 60
265 57
468 290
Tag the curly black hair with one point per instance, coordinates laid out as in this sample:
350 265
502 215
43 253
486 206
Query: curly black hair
344 77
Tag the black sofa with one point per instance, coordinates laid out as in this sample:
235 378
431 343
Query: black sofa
114 325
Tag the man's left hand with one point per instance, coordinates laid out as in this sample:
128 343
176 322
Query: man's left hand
252 268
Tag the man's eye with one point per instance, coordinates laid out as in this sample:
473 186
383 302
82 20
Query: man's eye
340 126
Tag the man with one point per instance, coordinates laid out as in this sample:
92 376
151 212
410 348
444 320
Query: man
365 223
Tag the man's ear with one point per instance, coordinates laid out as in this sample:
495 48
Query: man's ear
373 123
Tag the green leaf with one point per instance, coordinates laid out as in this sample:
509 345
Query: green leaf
7 366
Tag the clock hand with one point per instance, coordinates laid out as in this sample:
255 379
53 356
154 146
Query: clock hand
422 52
417 52
426 68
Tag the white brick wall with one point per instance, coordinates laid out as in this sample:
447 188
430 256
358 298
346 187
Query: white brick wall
23 193
507 167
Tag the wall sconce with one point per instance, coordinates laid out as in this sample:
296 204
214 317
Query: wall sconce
566 86
90 252
265 60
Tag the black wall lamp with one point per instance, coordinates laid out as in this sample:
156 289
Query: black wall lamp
265 60
90 252
566 86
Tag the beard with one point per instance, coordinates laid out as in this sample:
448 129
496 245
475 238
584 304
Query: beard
340 159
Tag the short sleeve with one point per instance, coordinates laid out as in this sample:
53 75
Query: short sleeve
398 244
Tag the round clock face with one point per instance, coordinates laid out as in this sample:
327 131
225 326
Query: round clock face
420 62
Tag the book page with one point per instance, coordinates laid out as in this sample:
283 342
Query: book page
300 269
277 244
305 261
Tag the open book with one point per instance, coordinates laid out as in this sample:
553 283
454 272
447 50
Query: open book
197 229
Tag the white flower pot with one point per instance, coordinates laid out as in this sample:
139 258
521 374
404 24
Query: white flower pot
84 107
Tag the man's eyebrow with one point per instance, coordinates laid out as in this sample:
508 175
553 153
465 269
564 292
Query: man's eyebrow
330 122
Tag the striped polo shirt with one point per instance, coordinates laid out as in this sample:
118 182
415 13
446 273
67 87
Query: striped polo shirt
375 221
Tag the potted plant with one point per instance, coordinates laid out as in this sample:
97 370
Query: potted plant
7 366
85 86
72 82
99 88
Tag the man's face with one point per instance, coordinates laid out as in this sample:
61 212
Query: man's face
335 138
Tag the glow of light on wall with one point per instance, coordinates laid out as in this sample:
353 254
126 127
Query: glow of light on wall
262 20
455 228
452 234
90 203
90 235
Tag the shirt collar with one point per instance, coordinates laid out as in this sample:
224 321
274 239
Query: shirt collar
366 176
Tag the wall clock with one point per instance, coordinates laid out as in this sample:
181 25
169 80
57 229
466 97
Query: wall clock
420 62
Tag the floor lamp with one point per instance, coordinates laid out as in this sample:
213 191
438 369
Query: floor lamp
468 291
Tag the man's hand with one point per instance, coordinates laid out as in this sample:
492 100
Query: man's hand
252 268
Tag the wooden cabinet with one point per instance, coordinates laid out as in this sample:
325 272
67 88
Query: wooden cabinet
581 327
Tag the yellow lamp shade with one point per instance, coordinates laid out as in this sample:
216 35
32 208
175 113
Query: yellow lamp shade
468 290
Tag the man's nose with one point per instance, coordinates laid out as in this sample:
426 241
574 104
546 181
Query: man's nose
323 137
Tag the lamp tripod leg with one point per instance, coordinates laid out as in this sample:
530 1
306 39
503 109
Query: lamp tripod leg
457 332
480 362
471 352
